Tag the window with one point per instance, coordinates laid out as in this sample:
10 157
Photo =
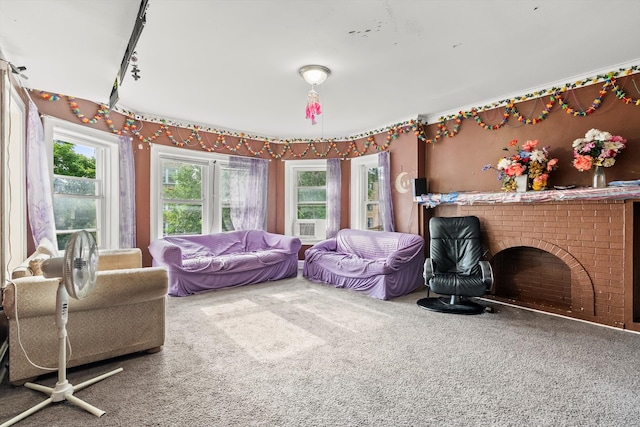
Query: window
189 192
306 199
365 196
85 182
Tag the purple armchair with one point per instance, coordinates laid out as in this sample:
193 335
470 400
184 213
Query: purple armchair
200 263
381 264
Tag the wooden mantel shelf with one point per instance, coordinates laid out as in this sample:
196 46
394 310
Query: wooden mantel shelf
432 200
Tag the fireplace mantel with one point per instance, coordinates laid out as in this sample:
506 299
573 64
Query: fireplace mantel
583 193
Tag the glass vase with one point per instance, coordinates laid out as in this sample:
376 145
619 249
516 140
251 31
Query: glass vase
599 178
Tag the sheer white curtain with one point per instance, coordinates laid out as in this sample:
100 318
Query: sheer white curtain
127 193
333 197
39 197
384 181
248 192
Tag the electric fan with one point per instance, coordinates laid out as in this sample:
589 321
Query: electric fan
77 273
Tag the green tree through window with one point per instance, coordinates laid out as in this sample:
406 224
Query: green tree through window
75 190
312 194
66 161
182 192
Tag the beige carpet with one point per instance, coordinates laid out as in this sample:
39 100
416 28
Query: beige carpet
297 353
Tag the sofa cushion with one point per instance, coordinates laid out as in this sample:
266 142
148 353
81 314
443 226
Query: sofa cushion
203 263
349 265
240 261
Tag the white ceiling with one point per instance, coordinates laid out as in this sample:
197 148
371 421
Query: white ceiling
233 64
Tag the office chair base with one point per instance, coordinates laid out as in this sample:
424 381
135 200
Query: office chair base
444 305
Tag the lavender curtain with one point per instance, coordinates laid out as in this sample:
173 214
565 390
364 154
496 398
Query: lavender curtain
384 181
248 192
127 194
39 197
333 197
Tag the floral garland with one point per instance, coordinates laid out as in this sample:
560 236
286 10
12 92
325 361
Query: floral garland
505 117
351 148
555 97
444 131
285 148
543 115
195 137
608 85
623 96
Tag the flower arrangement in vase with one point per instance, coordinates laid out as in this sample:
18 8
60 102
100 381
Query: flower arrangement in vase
597 148
527 160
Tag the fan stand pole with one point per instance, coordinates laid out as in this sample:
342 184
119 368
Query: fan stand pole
63 389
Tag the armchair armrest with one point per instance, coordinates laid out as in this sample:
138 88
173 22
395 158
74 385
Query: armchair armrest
487 274
428 270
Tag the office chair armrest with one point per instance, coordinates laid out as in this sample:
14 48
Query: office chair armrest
487 274
428 270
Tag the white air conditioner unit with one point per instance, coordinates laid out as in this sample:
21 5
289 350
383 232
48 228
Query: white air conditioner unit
310 229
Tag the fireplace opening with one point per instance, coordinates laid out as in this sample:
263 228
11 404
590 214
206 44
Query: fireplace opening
532 278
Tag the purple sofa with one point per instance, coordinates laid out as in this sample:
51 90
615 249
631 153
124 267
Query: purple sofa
200 263
381 264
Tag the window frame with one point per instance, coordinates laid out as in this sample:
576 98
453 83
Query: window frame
292 167
213 164
107 148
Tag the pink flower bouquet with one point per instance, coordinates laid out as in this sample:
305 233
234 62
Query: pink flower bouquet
597 148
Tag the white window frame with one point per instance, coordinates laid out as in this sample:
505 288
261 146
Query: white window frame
107 170
359 190
212 163
291 168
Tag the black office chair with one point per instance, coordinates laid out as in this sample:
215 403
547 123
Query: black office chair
455 267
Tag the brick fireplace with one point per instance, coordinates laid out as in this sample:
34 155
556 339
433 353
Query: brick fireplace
573 258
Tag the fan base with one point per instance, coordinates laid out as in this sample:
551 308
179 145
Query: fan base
63 391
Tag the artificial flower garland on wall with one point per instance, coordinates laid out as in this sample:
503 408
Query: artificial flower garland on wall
351 149
221 144
555 97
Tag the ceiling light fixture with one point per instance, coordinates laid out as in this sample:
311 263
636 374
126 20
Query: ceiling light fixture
314 75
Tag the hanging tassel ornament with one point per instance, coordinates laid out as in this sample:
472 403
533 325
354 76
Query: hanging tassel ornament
313 105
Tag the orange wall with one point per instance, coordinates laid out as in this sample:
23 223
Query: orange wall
455 164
